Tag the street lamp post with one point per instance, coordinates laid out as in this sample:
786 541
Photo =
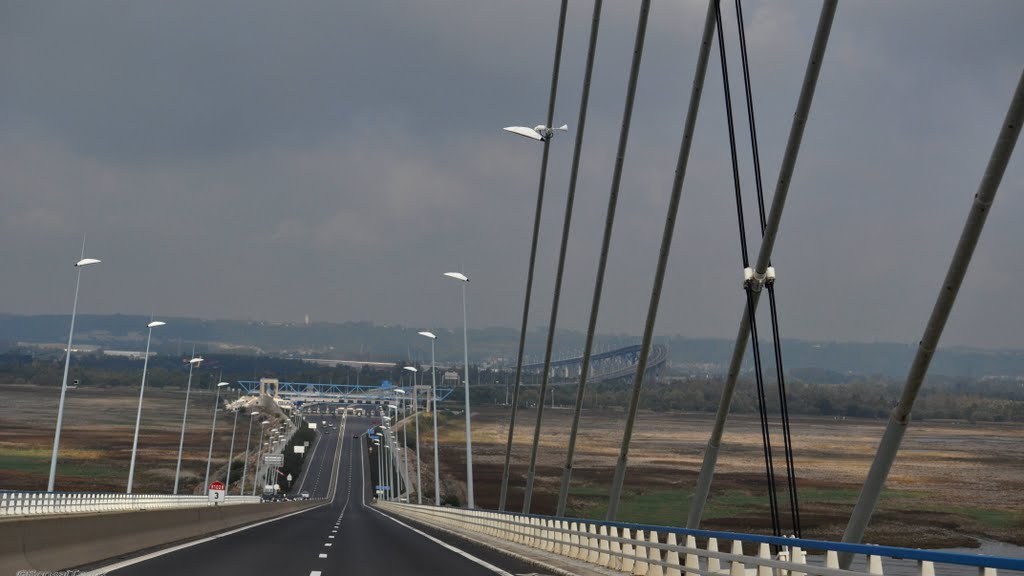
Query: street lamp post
396 451
377 491
394 442
67 362
416 415
433 395
138 414
245 461
259 454
209 455
404 449
393 478
231 451
267 469
465 356
194 362
387 466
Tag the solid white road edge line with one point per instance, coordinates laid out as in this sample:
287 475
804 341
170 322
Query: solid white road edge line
305 473
462 553
132 561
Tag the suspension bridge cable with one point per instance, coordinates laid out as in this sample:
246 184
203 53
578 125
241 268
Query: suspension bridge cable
613 195
666 245
794 505
563 493
747 287
900 416
533 259
782 185
531 471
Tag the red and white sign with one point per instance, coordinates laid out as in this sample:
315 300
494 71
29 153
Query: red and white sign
217 492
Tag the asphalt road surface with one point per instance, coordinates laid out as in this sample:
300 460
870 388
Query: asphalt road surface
346 536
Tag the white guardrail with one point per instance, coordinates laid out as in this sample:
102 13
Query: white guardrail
664 551
55 503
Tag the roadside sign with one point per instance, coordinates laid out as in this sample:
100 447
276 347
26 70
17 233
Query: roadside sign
273 459
216 492
299 449
306 444
383 487
312 425
289 478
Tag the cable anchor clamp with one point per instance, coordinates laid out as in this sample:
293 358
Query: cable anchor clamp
754 281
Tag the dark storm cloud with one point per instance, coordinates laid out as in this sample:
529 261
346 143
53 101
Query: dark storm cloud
267 160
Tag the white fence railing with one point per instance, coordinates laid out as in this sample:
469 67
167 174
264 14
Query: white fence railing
662 551
50 503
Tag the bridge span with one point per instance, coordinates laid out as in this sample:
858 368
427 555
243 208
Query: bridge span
606 366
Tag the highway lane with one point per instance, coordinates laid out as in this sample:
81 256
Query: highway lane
315 477
345 536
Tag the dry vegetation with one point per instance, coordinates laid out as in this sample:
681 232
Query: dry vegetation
96 440
952 480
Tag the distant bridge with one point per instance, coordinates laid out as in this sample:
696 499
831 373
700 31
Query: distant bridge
607 366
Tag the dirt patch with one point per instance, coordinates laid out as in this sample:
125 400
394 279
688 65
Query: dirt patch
951 481
96 440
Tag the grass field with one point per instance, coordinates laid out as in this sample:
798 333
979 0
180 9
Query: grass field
96 441
951 481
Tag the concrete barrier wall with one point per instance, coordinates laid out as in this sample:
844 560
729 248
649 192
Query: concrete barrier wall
63 542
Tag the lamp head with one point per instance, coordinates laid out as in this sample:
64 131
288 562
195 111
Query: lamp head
430 335
155 323
86 262
410 368
457 276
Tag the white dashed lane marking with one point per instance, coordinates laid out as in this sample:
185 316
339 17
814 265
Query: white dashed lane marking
323 555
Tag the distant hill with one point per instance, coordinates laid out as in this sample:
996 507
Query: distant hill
839 362
833 362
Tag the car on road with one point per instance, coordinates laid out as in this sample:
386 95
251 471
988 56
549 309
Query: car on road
305 495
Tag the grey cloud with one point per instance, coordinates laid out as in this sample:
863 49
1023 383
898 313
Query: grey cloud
267 160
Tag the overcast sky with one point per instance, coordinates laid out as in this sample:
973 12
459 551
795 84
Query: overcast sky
268 160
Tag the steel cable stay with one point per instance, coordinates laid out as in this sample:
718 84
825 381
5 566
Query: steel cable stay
761 269
752 283
533 258
762 409
794 503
